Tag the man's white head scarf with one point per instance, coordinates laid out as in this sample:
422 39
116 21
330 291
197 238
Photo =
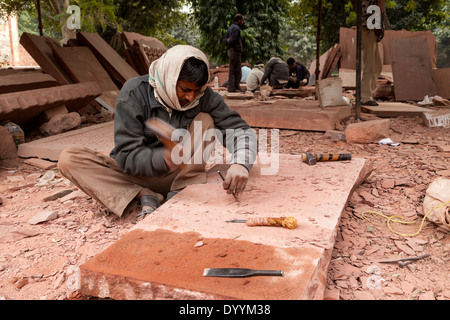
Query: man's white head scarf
164 73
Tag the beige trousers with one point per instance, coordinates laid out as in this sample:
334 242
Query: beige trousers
373 64
99 176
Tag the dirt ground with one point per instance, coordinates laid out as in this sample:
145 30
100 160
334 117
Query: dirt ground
40 260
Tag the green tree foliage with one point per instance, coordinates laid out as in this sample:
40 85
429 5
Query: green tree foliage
442 33
95 14
148 17
335 14
260 32
402 14
415 15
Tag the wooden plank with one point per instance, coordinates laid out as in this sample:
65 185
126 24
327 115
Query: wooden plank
83 66
117 67
411 69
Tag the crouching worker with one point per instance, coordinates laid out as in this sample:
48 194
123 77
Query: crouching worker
140 168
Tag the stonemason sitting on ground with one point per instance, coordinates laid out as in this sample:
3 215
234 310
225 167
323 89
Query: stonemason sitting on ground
140 167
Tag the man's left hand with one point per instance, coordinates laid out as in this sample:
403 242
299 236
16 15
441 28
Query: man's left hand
236 179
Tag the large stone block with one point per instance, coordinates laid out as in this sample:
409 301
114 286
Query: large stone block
22 107
40 48
162 256
114 64
291 114
368 131
22 81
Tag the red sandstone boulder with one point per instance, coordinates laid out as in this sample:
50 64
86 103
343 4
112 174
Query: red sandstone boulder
367 132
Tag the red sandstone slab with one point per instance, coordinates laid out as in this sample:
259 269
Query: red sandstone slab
40 48
83 66
117 67
22 107
394 35
395 109
166 265
442 81
22 81
161 257
291 114
347 44
412 83
98 137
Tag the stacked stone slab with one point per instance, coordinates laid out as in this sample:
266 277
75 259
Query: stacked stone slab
26 80
165 255
141 51
22 107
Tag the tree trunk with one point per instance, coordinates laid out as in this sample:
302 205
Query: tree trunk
67 33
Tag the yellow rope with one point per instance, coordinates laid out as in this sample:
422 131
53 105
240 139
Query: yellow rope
402 220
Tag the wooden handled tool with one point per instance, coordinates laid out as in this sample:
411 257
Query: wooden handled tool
285 222
163 130
311 159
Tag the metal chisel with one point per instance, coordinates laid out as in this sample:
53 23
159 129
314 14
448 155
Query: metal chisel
239 272
223 179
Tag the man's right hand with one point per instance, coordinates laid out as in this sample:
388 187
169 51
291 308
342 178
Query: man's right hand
167 154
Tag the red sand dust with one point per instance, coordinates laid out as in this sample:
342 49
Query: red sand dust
173 260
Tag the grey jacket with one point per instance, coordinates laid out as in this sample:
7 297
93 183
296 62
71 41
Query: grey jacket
277 71
137 149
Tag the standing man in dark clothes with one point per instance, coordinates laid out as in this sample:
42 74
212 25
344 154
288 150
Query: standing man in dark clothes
299 74
233 41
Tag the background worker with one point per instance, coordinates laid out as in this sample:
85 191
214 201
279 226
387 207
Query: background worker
371 52
277 71
298 74
235 49
245 71
255 76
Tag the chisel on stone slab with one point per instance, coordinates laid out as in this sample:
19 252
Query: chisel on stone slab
223 179
285 222
239 272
